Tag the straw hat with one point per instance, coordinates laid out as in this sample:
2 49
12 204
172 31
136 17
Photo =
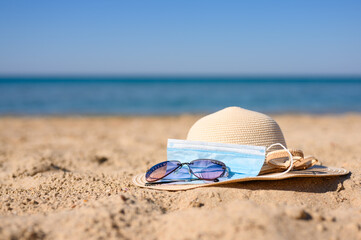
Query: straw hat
241 126
238 126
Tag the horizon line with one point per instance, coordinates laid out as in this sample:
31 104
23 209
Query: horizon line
180 76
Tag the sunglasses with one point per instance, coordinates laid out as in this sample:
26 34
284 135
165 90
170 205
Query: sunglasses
204 169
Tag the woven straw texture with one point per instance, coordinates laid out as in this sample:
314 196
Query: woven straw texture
315 171
238 126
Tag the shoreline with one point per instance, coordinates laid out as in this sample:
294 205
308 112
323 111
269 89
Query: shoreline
272 114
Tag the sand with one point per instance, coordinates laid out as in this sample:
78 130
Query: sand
70 178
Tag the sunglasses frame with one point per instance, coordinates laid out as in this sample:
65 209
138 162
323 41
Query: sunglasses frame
180 165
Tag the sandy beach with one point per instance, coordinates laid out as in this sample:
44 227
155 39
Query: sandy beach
70 178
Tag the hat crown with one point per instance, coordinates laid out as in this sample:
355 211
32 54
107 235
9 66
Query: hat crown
238 126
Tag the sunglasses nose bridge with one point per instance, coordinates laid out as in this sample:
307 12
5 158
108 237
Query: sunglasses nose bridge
187 164
189 168
180 166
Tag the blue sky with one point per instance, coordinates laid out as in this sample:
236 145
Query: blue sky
180 37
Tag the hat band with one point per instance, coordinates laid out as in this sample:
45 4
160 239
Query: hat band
279 160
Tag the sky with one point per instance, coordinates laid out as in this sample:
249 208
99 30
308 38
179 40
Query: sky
114 37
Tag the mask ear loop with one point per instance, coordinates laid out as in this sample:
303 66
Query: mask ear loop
291 158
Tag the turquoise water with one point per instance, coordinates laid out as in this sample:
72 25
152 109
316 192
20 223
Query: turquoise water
162 96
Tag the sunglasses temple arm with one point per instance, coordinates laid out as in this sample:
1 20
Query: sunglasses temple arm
158 183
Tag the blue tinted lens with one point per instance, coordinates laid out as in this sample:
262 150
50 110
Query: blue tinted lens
207 169
161 170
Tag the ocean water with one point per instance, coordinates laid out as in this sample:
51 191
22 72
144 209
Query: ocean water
164 96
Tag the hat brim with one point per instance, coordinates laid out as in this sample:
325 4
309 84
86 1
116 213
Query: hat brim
315 171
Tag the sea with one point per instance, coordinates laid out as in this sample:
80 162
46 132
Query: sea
38 96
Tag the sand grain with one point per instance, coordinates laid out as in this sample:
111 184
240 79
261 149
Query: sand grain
70 178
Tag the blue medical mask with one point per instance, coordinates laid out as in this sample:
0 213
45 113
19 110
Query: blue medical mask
241 160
